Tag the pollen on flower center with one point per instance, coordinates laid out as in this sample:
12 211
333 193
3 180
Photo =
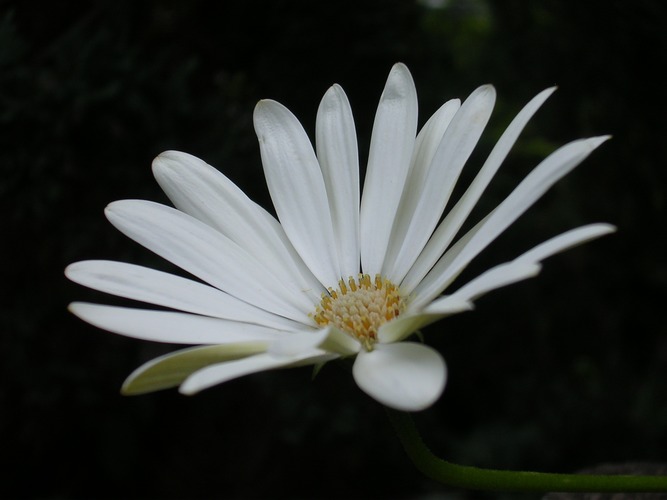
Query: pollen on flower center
359 307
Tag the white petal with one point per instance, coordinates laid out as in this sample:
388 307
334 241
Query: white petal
207 254
496 277
222 372
297 188
328 339
565 241
453 221
404 376
172 369
547 173
341 343
337 153
409 322
426 145
170 327
428 140
523 267
198 189
422 205
298 342
391 147
167 290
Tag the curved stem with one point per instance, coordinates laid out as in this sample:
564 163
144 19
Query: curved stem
461 476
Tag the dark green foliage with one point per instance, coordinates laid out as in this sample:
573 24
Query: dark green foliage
565 371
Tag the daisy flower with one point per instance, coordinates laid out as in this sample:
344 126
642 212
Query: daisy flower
340 274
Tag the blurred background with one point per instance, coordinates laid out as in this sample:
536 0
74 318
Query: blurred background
562 372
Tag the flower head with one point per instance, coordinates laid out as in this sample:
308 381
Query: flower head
341 275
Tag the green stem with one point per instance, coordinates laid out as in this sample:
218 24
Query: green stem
461 476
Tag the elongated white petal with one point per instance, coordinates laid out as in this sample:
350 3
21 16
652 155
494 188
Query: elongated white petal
198 189
298 342
404 376
422 206
523 267
426 145
171 327
548 172
328 339
207 254
223 372
496 277
297 188
391 147
167 290
565 241
337 152
427 142
172 369
411 321
449 227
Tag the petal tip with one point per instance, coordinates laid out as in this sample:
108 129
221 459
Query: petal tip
332 98
488 88
399 83
192 385
168 160
71 270
266 105
400 66
187 390
128 389
113 208
594 142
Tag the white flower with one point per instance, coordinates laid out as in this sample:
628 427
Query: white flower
340 275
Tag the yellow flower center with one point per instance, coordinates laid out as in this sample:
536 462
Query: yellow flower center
359 307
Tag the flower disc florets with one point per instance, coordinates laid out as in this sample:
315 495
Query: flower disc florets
359 307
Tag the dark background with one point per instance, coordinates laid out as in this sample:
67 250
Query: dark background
561 372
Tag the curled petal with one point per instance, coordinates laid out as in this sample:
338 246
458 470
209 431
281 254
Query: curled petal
172 369
404 376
